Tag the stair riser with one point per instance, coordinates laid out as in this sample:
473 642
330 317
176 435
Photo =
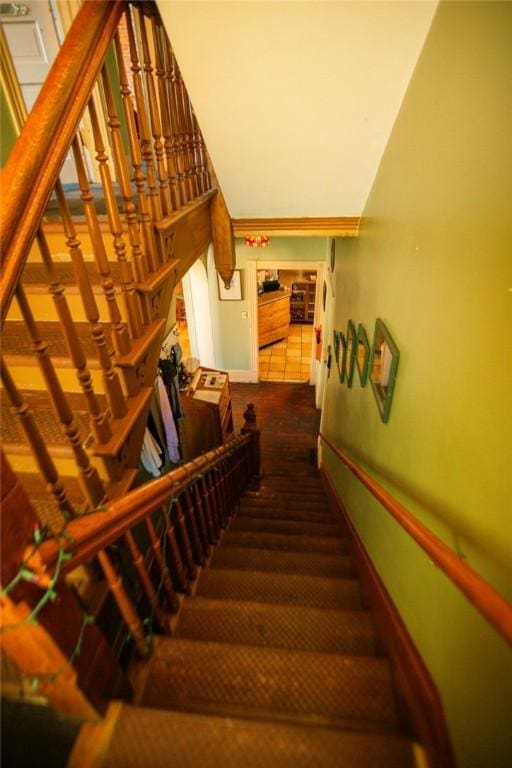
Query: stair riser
289 501
335 566
279 589
296 515
285 527
44 309
66 466
286 543
30 377
277 627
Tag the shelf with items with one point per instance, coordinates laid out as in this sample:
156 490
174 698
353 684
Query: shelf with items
302 302
208 415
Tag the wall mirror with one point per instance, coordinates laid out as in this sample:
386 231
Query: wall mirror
362 354
340 351
383 366
350 356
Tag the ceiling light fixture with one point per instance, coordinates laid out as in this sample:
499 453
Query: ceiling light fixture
257 241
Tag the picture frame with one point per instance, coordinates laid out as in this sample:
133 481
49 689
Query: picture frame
350 352
234 292
340 352
383 368
362 354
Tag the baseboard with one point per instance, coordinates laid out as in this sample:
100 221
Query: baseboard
243 375
418 693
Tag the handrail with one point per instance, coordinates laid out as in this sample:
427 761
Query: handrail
87 535
482 595
48 133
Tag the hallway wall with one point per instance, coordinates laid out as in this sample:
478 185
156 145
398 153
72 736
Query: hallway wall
434 262
231 331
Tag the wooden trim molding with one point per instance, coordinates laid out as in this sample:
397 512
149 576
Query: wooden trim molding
320 226
486 600
419 698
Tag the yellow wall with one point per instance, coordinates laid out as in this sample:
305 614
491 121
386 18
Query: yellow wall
434 261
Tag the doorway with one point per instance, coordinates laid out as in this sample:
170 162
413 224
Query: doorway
292 355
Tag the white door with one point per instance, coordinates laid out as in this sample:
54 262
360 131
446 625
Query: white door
33 44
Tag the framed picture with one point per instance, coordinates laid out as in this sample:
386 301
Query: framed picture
234 292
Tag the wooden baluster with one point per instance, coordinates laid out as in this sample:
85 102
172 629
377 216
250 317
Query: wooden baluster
214 503
146 583
203 161
236 477
90 481
148 260
226 512
184 540
250 427
154 114
113 390
197 511
99 420
212 521
203 514
178 569
120 337
144 137
177 127
172 598
186 136
193 529
36 441
193 145
159 36
125 605
230 484
133 311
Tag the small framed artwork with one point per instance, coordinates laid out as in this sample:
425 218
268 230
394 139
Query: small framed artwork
332 260
234 292
383 367
340 353
350 353
363 354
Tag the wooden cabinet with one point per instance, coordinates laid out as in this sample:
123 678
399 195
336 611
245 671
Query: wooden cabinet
302 302
273 316
208 417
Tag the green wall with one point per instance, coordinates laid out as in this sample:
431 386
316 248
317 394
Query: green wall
231 332
434 261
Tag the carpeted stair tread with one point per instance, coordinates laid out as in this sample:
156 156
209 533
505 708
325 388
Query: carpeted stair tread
286 543
304 563
197 676
279 588
35 274
15 340
287 527
46 420
278 626
152 737
277 512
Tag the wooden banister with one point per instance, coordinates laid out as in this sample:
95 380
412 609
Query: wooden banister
92 533
48 133
482 595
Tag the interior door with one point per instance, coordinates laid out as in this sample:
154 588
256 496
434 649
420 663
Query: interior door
33 44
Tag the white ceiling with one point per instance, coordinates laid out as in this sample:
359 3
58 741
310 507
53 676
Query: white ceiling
296 100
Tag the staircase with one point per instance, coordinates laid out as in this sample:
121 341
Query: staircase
274 659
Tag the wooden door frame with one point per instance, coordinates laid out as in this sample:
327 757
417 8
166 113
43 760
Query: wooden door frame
253 265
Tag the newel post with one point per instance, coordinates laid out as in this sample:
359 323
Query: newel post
251 428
